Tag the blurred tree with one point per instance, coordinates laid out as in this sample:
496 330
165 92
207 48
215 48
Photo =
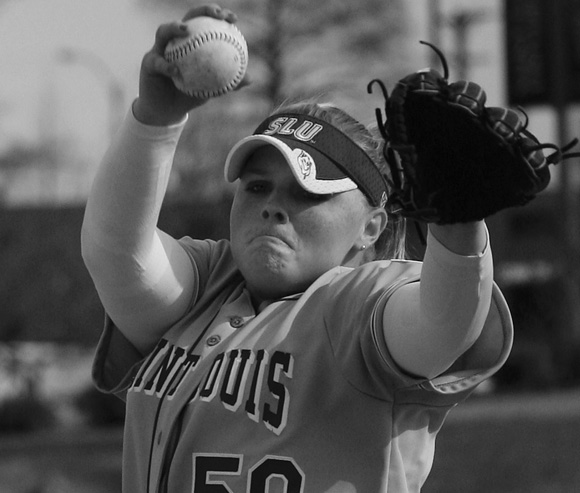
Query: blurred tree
298 49
46 293
21 158
281 33
45 289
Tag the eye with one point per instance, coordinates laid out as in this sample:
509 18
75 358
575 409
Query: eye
256 186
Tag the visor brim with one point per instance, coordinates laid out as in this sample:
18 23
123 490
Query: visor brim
306 165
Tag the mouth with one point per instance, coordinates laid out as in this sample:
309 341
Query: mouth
272 238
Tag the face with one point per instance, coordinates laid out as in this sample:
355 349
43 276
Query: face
283 238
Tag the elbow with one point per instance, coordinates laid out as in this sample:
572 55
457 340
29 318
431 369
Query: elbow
92 255
87 245
106 267
97 244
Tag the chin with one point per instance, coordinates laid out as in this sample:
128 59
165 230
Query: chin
271 274
264 266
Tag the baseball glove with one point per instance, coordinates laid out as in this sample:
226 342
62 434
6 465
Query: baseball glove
452 159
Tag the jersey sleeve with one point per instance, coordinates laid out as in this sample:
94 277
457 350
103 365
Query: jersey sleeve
116 361
212 259
355 329
485 357
459 295
481 361
352 302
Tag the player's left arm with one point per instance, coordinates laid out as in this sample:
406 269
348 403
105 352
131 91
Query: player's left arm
428 325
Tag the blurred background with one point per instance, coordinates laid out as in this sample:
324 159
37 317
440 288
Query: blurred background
69 73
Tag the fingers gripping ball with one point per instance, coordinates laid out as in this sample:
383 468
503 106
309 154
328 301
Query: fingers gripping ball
212 60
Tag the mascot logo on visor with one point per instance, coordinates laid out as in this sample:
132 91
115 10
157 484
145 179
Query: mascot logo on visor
305 163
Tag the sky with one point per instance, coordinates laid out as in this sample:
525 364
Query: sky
39 89
45 97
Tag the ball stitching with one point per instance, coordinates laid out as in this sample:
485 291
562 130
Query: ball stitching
191 44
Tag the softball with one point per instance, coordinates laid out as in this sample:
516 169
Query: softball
212 59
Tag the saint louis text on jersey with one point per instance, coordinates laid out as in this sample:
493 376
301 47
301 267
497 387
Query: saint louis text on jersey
242 380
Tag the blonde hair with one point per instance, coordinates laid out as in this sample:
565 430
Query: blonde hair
392 242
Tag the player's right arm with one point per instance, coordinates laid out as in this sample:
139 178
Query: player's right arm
144 278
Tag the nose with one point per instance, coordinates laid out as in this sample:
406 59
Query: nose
278 216
275 210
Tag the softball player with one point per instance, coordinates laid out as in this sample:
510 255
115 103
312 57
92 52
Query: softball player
289 358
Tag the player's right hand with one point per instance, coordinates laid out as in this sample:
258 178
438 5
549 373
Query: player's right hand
159 101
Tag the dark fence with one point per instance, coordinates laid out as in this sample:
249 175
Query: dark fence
45 291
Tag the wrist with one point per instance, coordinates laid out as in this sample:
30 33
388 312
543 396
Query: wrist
148 115
462 238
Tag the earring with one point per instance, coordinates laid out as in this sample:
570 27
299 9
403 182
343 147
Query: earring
363 247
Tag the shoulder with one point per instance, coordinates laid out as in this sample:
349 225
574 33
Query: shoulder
207 254
348 292
376 276
213 263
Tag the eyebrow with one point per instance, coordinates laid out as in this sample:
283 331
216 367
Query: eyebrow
254 168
